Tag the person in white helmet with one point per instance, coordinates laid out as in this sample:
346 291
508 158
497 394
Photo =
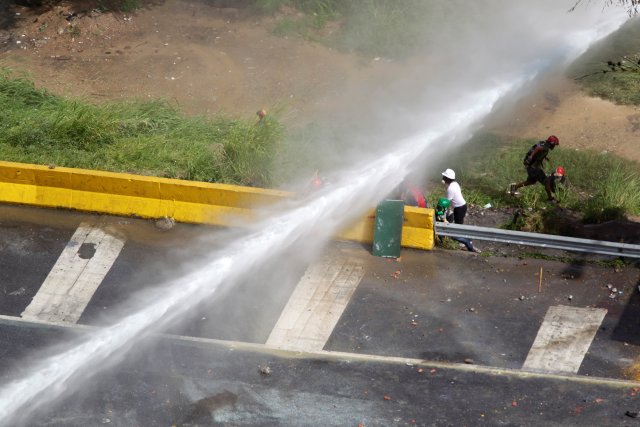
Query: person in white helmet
459 204
454 194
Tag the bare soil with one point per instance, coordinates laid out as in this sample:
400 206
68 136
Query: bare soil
207 57
559 107
202 58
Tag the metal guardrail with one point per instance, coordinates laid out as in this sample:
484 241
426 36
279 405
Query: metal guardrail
535 239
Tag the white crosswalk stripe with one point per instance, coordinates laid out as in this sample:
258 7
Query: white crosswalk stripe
563 339
316 304
74 278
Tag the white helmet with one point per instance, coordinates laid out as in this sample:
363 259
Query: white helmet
449 173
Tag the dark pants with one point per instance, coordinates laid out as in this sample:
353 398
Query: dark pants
535 175
458 218
459 213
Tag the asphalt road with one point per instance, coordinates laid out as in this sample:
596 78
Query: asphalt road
434 338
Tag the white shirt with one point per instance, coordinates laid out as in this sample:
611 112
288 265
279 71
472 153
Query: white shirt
454 193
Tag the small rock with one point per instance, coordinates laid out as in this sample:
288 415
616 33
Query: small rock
165 223
265 370
469 361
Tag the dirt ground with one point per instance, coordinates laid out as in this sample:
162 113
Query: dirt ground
207 57
559 107
204 59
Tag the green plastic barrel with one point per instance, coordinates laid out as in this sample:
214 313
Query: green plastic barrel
387 234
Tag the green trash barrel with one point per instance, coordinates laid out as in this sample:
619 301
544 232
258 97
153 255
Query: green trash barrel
387 233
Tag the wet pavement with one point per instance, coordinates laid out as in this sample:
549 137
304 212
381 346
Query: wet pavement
456 306
434 338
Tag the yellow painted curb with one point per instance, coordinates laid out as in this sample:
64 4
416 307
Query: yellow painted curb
185 201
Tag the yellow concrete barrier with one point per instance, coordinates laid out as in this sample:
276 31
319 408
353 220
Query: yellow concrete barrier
417 231
185 201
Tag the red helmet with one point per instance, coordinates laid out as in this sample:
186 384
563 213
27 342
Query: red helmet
560 171
553 140
317 183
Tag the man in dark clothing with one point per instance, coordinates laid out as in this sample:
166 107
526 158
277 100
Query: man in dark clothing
533 162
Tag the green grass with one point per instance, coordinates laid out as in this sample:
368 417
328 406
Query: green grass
601 186
288 27
318 7
389 28
149 138
599 73
126 6
372 27
317 13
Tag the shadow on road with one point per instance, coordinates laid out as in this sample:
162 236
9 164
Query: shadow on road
628 328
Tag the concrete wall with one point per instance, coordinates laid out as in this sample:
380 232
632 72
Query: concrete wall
185 201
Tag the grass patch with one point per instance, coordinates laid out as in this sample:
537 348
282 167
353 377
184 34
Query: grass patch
611 69
317 7
301 27
125 6
149 138
372 27
386 28
602 186
447 243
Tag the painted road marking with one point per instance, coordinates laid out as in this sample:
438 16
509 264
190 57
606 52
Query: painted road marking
563 339
316 304
74 278
341 357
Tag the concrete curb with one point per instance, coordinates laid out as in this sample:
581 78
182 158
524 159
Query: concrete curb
185 201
